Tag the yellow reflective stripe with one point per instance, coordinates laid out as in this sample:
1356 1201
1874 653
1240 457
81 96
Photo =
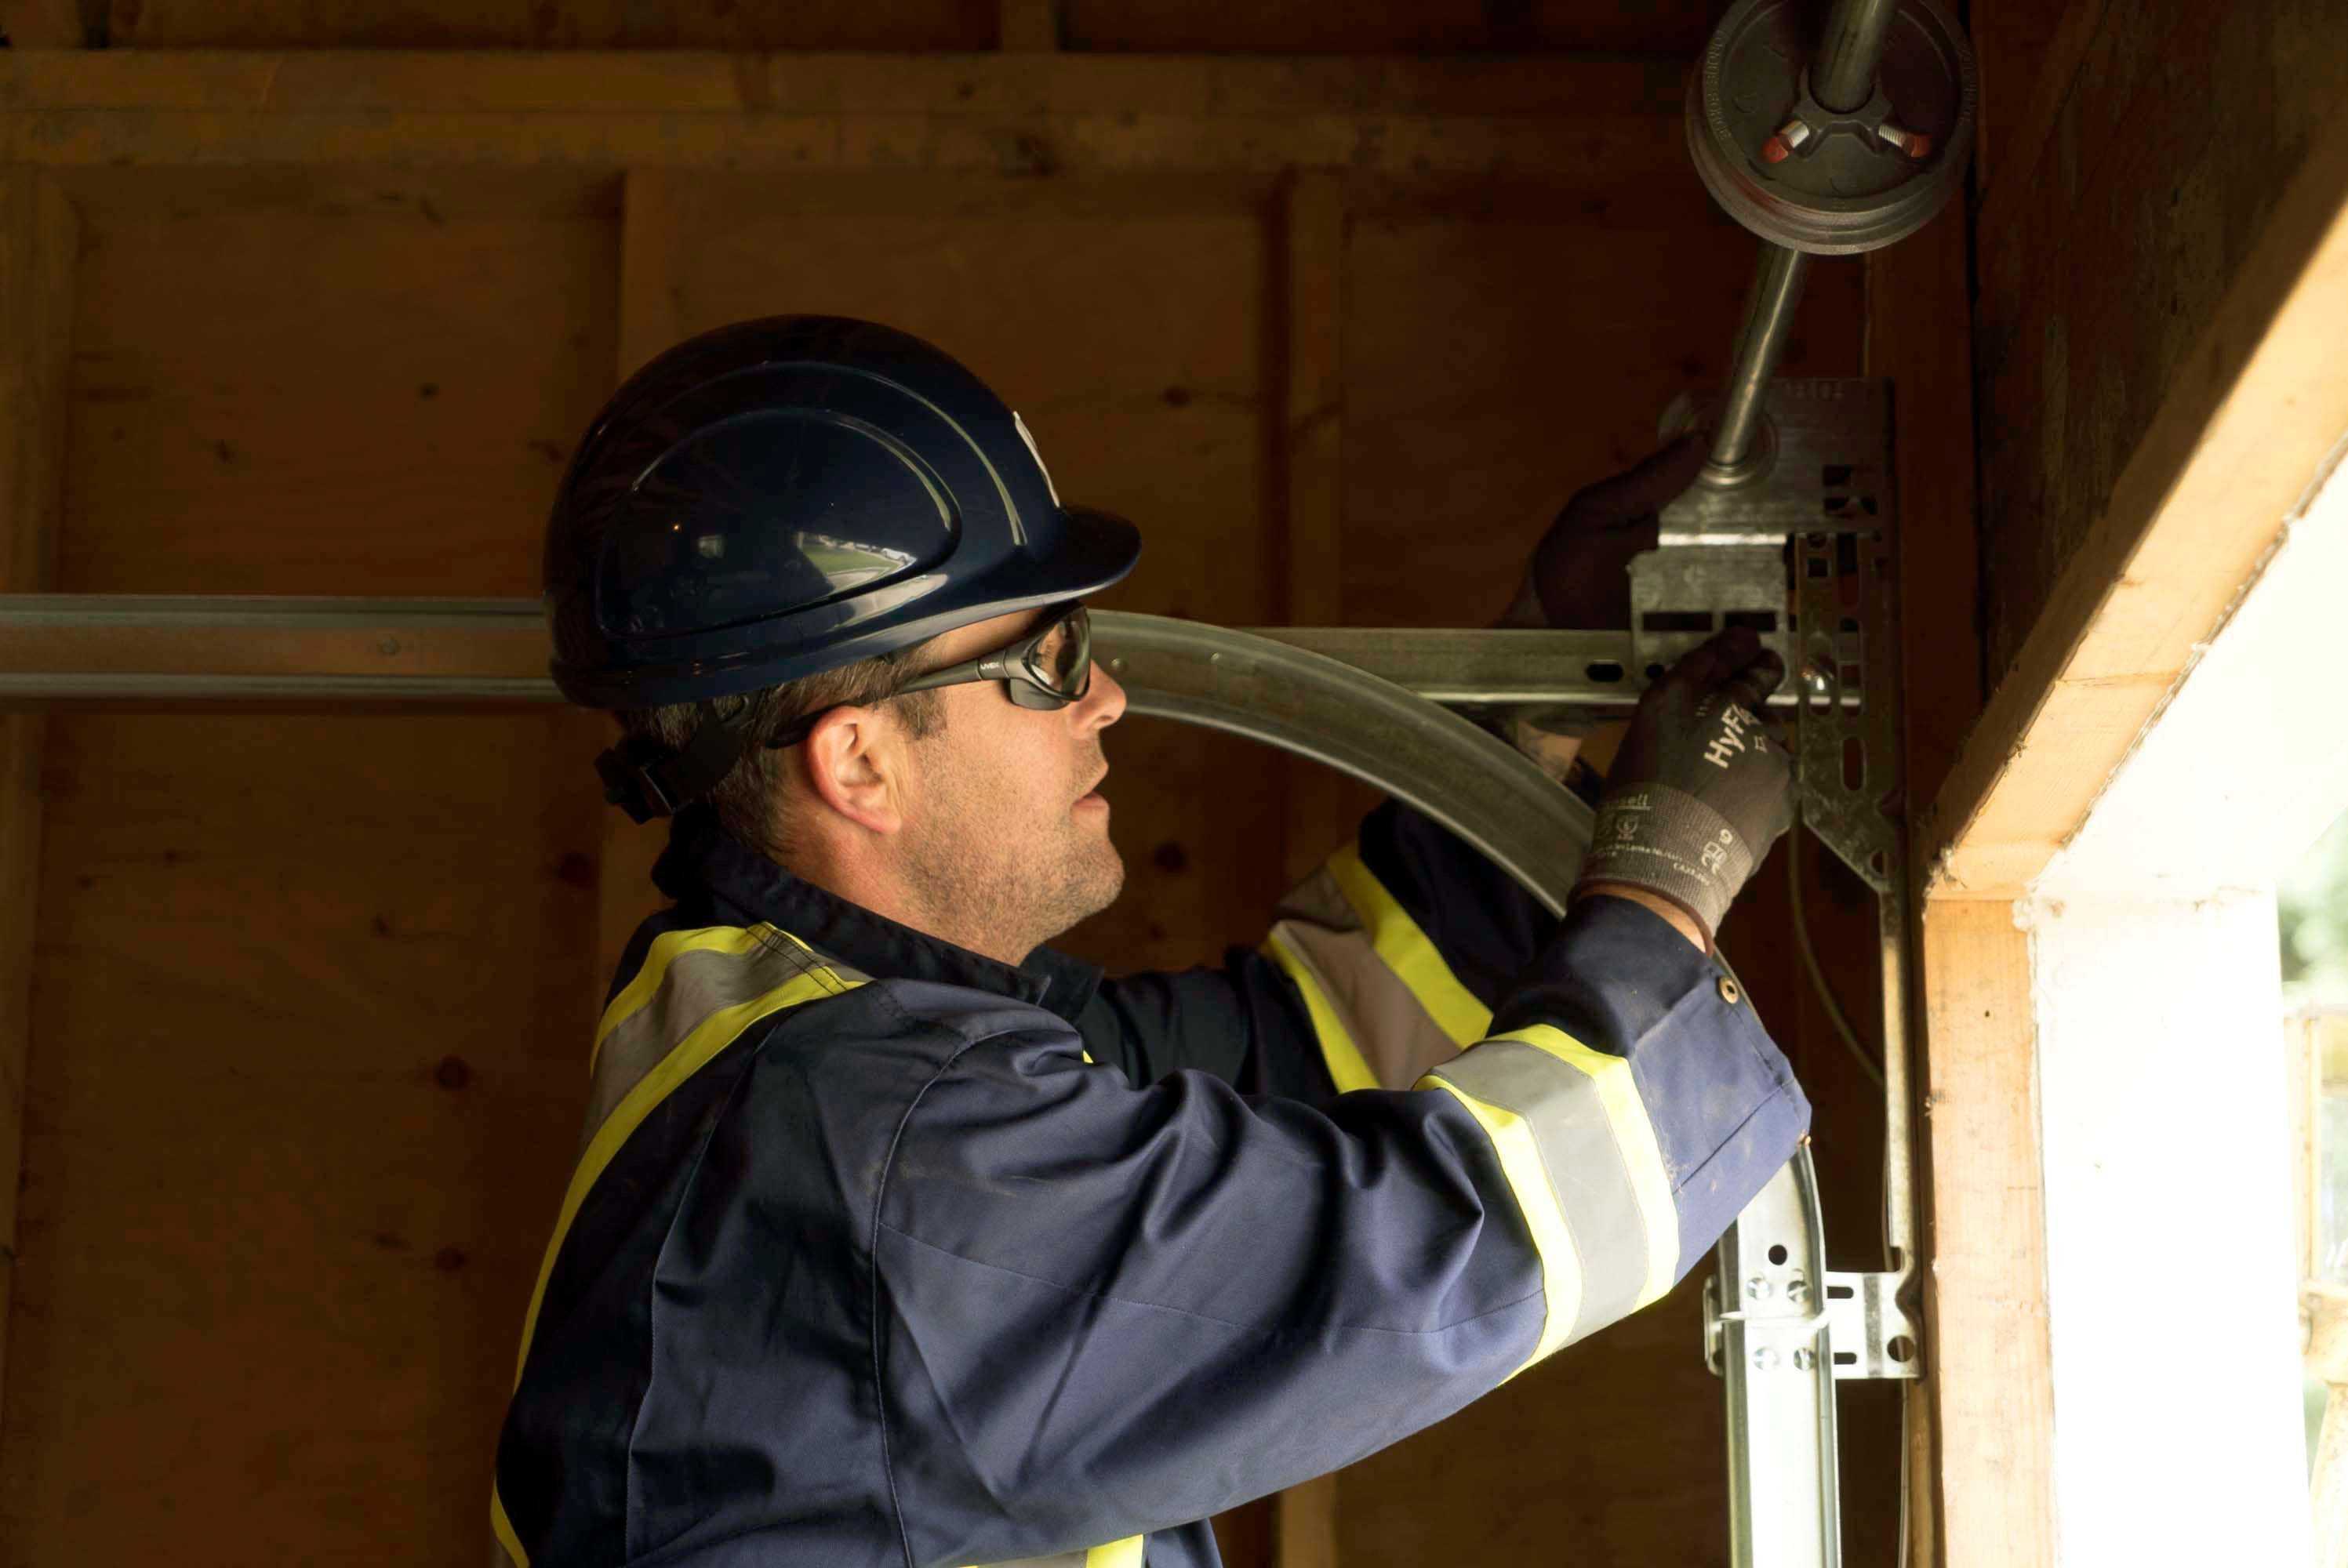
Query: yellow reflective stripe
502 1528
736 939
1634 1135
1125 1553
1528 1178
1347 1068
714 1034
1409 952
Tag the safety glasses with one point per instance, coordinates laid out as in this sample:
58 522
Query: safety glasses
1050 668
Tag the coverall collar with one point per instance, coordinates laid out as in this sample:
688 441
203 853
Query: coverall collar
704 863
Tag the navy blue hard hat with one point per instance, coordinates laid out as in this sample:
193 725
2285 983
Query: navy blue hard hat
783 496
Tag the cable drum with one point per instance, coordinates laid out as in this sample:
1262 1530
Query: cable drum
1831 179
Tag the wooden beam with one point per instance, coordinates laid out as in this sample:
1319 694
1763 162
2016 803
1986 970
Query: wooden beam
1312 248
2235 448
1919 335
1991 1372
651 320
1596 121
51 24
1029 26
1304 1525
38 237
2004 161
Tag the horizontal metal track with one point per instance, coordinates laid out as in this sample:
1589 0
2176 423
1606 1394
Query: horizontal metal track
67 647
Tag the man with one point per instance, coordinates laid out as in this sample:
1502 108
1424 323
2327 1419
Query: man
899 1238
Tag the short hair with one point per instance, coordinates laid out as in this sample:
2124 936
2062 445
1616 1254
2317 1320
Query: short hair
746 800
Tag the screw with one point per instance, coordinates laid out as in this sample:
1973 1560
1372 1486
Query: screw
1915 144
388 645
1806 1358
1797 1289
1764 1360
1781 146
1757 1288
1819 679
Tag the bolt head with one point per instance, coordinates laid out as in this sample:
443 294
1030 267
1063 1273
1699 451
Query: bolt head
1797 1289
1764 1360
1757 1288
1806 1358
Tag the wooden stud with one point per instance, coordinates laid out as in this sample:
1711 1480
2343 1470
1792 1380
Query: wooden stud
1992 1375
1304 1525
1312 249
38 237
1918 334
651 216
1313 266
2244 433
50 24
2044 52
1029 26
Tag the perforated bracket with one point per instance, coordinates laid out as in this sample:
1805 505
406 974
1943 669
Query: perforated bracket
1801 554
1869 1333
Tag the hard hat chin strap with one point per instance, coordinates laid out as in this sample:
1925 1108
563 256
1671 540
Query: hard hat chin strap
646 779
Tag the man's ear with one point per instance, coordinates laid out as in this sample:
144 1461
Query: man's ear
855 765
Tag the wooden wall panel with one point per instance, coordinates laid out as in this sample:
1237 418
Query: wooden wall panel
310 1004
312 992
2107 236
291 383
1129 323
39 234
1499 354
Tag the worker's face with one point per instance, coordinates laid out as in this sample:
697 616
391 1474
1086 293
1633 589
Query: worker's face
1001 815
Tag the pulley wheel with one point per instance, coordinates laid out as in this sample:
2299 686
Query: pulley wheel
1832 182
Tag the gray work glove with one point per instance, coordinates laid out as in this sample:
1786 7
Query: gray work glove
1580 578
1701 789
1579 573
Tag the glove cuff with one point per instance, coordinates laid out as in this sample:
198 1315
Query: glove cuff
1668 842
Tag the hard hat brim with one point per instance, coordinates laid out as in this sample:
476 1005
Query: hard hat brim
1091 550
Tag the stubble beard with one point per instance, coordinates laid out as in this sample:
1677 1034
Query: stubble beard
994 883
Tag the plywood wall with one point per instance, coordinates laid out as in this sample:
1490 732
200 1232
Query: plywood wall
2135 154
312 990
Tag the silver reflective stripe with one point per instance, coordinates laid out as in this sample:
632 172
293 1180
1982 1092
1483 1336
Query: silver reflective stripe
1398 1040
1588 1172
692 986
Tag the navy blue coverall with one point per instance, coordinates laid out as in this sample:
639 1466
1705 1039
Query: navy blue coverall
883 1252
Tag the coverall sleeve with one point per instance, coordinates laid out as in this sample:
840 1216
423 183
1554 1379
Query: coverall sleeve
1386 962
1105 1310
